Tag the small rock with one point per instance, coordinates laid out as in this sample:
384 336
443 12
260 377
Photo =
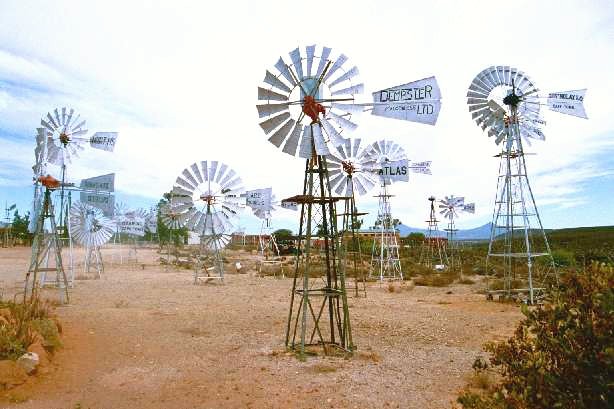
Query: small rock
28 361
38 349
11 374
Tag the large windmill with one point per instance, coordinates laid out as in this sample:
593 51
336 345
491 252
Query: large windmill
209 200
91 229
350 173
390 163
506 103
307 105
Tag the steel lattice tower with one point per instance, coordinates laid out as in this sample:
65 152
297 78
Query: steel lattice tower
385 262
45 246
318 274
517 236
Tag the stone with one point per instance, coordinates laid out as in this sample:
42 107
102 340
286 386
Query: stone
39 349
11 374
28 361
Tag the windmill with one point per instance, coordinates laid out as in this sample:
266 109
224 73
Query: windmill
62 137
389 161
506 103
433 252
8 238
173 221
349 174
307 105
92 230
209 200
451 207
132 223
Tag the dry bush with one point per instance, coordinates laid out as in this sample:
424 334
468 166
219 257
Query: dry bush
20 324
435 280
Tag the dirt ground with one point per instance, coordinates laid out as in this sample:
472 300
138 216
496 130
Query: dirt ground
146 337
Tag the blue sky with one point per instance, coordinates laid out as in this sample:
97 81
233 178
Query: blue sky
178 81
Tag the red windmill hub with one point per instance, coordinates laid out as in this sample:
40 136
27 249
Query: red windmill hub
312 109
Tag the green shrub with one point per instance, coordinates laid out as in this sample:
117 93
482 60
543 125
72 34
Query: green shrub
561 355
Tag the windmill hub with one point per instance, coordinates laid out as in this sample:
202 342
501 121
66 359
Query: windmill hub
512 99
64 138
312 109
348 167
208 198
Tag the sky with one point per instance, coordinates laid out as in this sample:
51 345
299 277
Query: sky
178 81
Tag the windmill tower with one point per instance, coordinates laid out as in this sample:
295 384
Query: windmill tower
349 175
390 162
209 200
433 252
319 90
451 206
92 230
46 247
506 102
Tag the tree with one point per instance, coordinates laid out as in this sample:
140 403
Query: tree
282 235
20 227
561 355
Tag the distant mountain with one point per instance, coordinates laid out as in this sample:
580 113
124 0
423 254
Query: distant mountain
478 233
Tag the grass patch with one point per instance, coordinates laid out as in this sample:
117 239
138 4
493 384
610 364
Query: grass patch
22 324
435 280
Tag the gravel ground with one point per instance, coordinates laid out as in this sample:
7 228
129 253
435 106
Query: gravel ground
145 337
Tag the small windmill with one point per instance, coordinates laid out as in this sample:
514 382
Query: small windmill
172 219
91 229
506 103
451 207
307 106
350 173
8 238
263 202
390 164
209 200
433 252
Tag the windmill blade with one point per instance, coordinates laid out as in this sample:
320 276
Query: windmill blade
282 133
351 90
271 109
305 148
284 71
568 102
292 142
351 73
270 124
268 95
323 61
309 60
334 136
318 139
276 82
343 122
336 66
295 56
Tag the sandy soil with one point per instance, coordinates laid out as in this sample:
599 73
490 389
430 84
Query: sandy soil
145 337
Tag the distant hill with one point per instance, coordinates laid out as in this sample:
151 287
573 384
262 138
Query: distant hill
477 233
583 236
